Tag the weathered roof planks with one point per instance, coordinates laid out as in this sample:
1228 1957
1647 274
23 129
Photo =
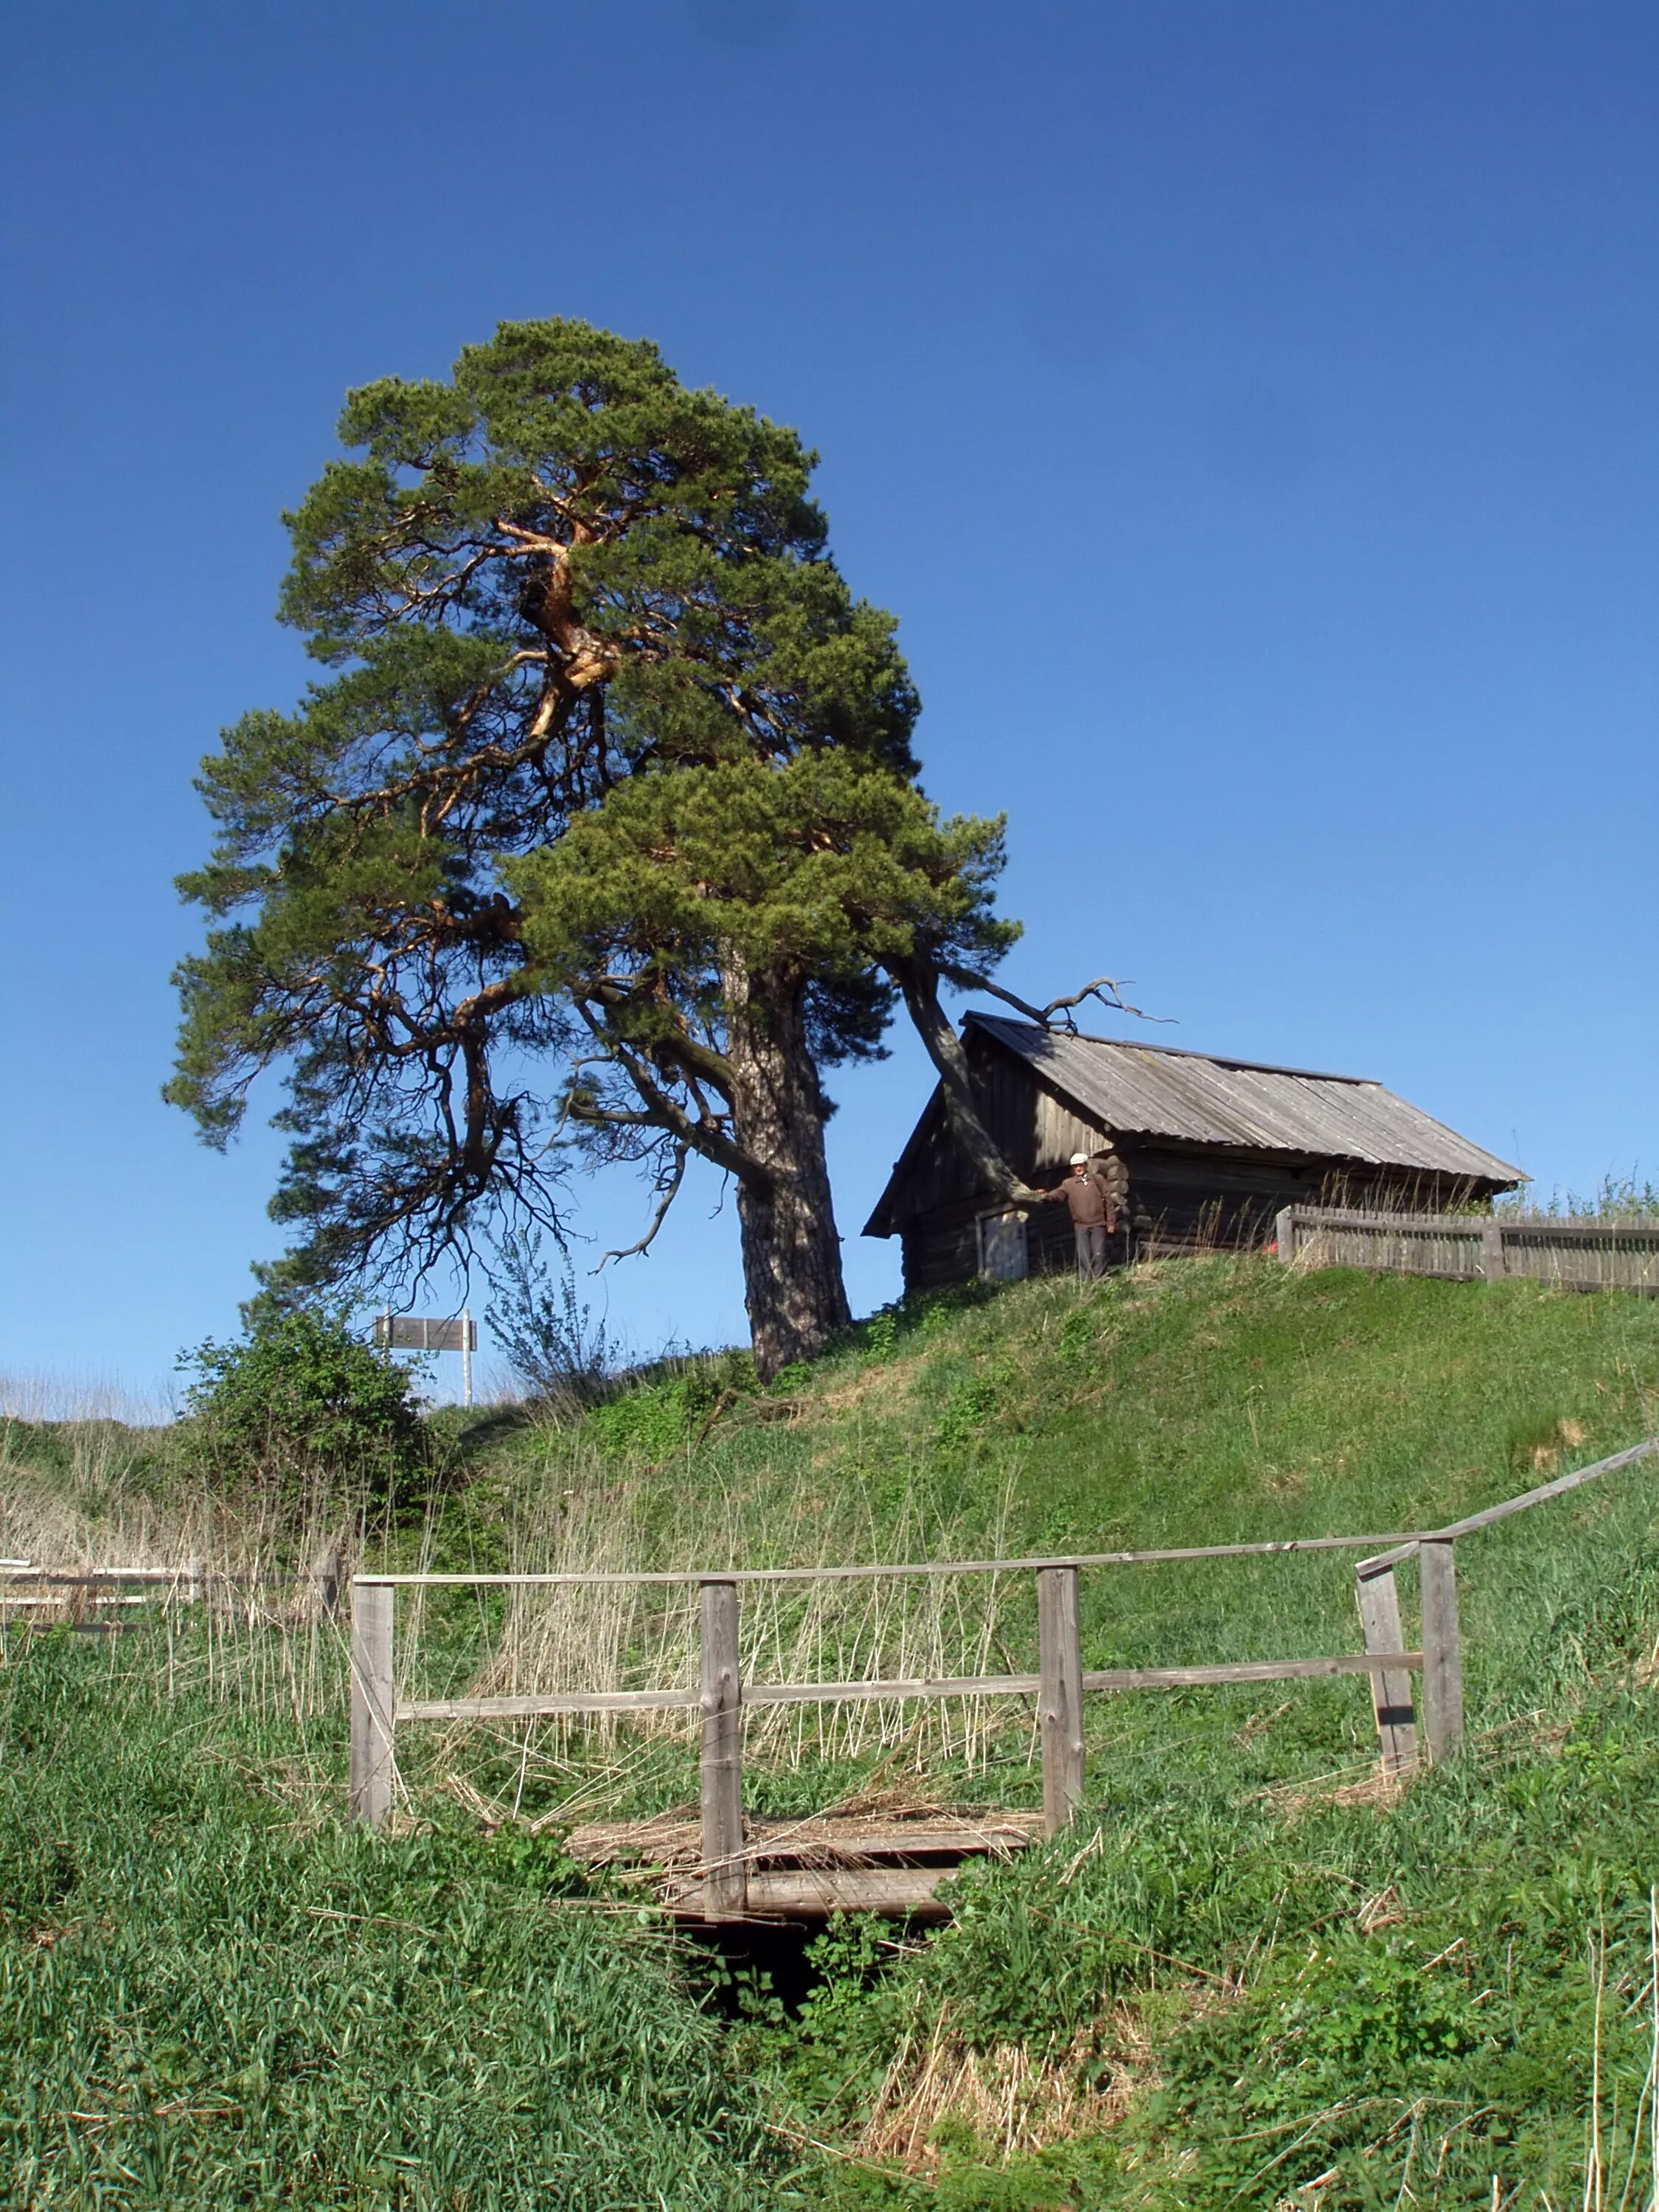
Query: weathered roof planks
1157 1091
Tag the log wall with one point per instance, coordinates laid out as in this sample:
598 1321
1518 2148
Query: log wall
1182 1200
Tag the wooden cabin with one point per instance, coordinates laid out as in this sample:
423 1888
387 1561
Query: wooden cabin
1213 1149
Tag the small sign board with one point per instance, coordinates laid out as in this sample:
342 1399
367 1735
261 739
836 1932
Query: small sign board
423 1333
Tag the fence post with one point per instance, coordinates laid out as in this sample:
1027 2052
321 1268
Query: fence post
195 1585
373 1703
1494 1265
1059 1705
1391 1690
1284 1231
328 1583
1442 1652
725 1876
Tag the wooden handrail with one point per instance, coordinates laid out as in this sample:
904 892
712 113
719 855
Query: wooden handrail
1545 1490
548 1704
1521 1504
685 1576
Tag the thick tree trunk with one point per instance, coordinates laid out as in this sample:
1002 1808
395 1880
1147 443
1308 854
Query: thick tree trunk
919 981
791 1252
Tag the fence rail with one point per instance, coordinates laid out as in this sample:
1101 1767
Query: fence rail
682 1577
1579 1252
1059 1686
24 1584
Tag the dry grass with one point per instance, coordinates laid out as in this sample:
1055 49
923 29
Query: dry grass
1544 1456
36 1397
1621 2147
258 1636
626 1637
1363 1782
1012 2097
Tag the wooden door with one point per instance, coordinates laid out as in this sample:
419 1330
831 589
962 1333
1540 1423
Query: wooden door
1002 1253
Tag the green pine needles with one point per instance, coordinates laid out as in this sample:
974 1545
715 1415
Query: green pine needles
600 840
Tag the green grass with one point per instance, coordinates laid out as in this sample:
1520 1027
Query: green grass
1189 1401
1246 1978
211 1996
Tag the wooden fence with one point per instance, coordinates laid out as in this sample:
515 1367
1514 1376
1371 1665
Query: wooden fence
1583 1253
79 1595
1060 1685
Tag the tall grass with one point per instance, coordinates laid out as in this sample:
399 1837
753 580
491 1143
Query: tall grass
1192 1402
38 1397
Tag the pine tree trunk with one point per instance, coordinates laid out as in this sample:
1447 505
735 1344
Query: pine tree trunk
792 1275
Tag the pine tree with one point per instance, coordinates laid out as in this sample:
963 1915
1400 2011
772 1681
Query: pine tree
602 835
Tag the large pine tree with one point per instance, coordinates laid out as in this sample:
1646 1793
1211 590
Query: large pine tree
603 830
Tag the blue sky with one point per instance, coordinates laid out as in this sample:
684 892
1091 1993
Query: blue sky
1249 411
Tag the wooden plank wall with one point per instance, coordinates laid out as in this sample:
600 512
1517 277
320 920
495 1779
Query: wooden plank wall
1035 1132
1586 1253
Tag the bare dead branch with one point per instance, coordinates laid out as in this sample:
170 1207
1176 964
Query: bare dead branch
1104 988
667 1192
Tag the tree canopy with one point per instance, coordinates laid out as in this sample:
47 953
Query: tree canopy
603 831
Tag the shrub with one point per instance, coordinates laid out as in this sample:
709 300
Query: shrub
880 1334
558 1350
300 1399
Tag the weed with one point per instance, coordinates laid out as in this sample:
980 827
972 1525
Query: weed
881 1334
563 1356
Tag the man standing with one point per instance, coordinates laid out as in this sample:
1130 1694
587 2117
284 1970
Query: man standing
1093 1204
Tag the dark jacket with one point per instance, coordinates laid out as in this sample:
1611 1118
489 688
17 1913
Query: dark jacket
1092 1203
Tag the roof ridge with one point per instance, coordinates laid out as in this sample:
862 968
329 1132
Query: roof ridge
1175 1051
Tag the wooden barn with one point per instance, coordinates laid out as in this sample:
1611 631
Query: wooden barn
1211 1148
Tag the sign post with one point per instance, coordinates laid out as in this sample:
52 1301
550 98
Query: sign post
426 1333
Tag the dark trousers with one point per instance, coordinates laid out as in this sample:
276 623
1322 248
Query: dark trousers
1090 1249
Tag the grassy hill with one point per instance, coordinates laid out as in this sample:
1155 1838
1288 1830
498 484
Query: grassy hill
1252 1975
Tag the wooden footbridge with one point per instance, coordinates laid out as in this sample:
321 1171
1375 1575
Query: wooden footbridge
873 1861
719 1866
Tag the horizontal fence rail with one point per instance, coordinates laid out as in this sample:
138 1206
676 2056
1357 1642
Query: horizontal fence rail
538 1704
683 1576
1580 1253
161 1580
194 1583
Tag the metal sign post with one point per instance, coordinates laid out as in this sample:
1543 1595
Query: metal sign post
426 1333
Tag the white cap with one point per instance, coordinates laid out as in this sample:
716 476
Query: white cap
1079 1159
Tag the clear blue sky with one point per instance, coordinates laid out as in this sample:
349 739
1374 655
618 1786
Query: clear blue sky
1249 412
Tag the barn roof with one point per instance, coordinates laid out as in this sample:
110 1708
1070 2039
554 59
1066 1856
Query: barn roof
1136 1089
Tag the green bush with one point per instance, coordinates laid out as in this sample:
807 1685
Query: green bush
300 1400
